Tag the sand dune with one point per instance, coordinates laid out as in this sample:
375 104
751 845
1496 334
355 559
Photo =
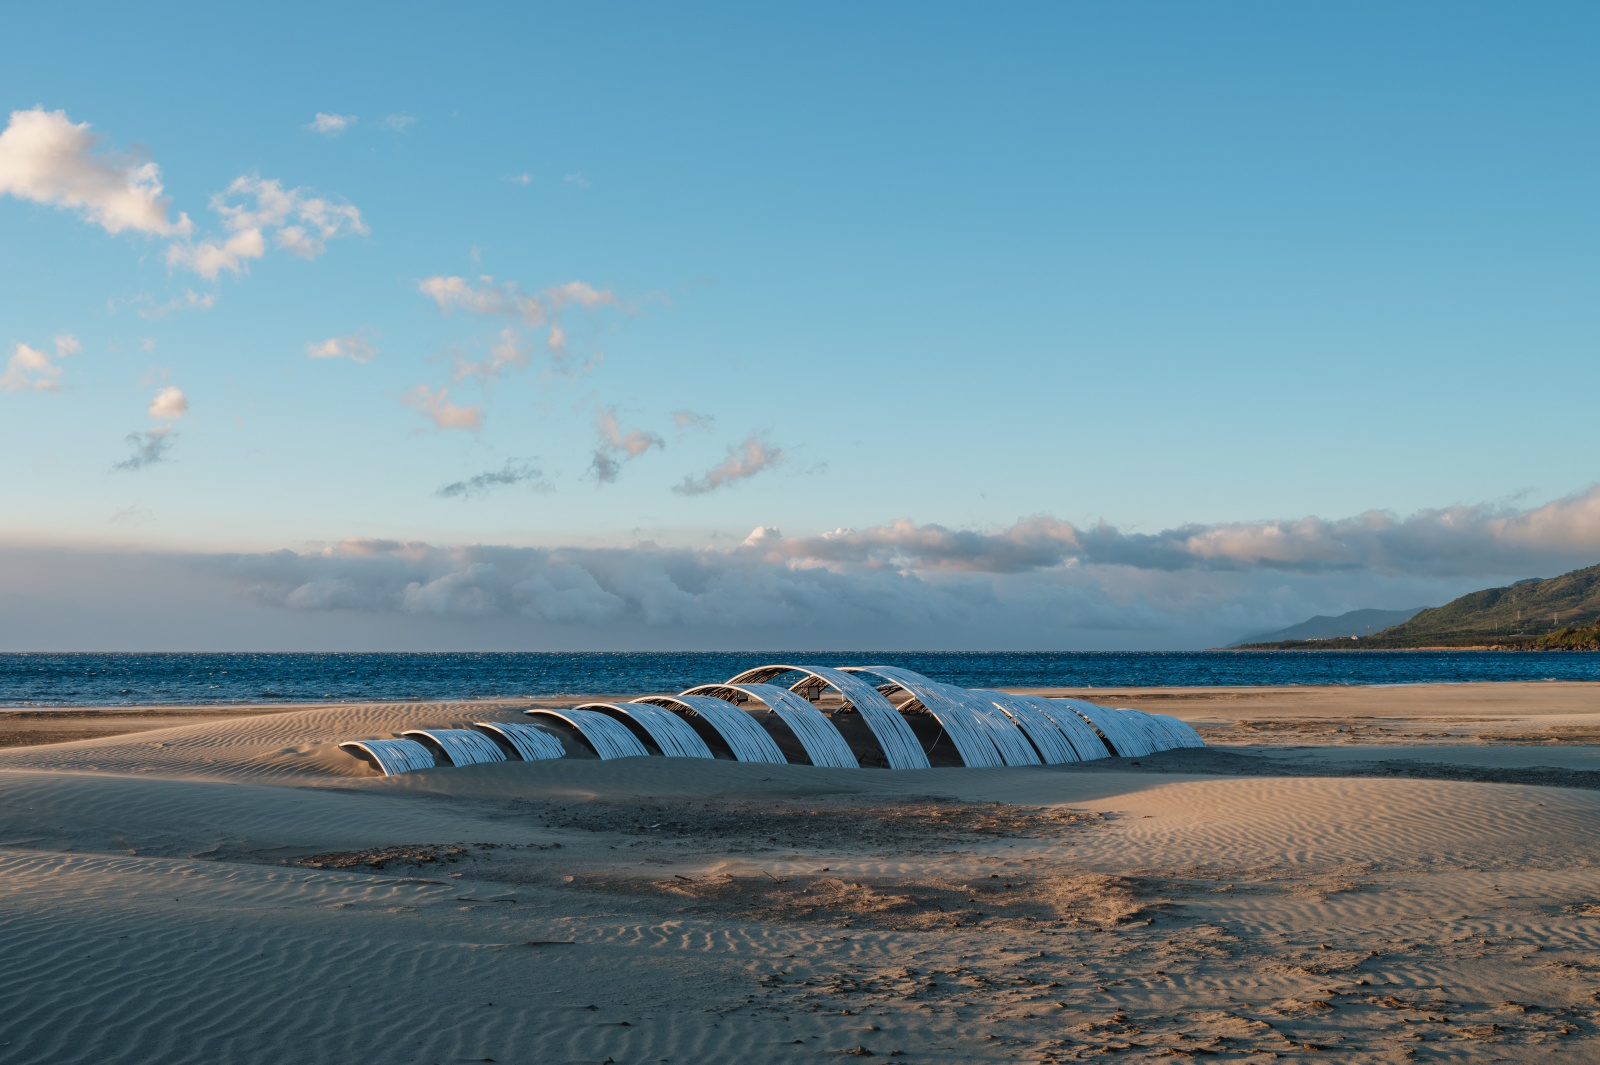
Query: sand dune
237 890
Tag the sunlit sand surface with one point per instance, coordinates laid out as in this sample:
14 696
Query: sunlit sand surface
1353 875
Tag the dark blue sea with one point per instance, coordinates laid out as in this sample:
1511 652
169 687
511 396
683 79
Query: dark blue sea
131 679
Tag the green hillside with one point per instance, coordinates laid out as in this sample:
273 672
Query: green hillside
1561 613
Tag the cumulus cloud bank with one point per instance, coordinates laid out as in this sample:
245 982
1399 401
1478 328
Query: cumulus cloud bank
1451 541
47 158
749 458
1029 577
30 369
900 584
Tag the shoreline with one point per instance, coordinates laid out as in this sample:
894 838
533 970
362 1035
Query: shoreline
1155 691
1532 712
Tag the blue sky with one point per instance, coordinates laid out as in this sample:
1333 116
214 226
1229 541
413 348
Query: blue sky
1167 267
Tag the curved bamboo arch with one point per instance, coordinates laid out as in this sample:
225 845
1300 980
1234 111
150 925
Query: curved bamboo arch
746 738
895 738
672 734
607 737
818 737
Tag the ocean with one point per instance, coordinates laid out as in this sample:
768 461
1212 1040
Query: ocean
95 679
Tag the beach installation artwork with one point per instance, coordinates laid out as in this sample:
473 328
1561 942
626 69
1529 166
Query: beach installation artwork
897 723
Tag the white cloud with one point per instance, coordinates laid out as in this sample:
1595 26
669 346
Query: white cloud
169 405
47 158
577 181
437 408
398 123
356 348
255 210
331 125
524 179
617 447
749 458
32 370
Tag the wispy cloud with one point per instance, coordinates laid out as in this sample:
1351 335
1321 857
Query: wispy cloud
356 348
189 301
534 310
749 458
577 181
524 179
617 447
32 370
508 352
47 158
515 472
484 296
688 419
398 122
149 448
255 211
437 408
130 515
331 125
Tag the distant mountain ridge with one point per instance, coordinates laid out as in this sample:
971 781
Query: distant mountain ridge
1341 626
1558 613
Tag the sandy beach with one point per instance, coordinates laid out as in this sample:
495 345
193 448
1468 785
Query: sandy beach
1346 874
